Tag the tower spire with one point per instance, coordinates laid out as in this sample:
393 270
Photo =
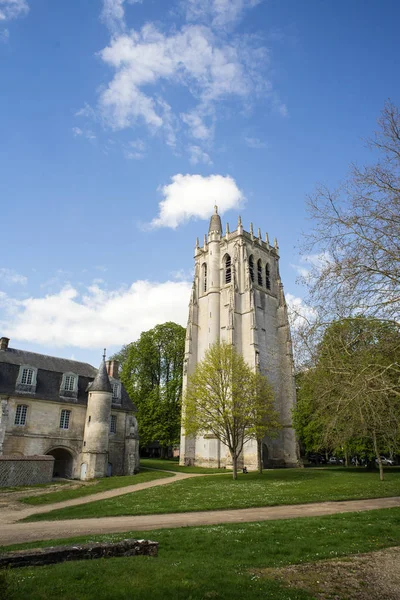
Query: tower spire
215 222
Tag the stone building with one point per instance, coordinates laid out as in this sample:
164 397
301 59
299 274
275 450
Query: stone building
237 297
68 409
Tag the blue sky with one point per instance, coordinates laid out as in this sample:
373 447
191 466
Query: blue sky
122 122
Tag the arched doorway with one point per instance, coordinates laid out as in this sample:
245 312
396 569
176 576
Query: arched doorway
265 456
63 463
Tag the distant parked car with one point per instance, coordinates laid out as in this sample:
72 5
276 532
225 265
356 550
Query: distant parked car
333 460
317 459
387 462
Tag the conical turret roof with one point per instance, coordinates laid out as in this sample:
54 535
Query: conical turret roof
101 382
215 222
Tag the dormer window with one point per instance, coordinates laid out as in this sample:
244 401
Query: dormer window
116 392
27 376
69 385
26 380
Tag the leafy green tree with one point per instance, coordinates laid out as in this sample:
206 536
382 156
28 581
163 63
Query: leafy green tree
353 392
151 371
226 398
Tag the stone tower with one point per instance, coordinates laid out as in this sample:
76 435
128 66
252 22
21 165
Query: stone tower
95 440
237 298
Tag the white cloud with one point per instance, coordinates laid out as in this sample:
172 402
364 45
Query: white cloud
299 311
9 277
135 150
9 10
283 110
197 127
98 317
255 142
312 262
113 14
194 196
193 57
86 133
219 13
197 155
12 9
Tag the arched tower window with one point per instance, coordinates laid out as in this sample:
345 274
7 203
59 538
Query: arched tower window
259 272
251 267
204 276
228 269
267 277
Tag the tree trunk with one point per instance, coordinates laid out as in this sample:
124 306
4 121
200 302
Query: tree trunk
259 456
346 458
234 465
378 456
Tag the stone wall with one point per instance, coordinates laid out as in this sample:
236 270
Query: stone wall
57 554
25 470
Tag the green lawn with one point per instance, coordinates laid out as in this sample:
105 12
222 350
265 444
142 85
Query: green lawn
284 486
100 485
220 562
173 465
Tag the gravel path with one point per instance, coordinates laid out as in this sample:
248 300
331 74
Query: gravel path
14 533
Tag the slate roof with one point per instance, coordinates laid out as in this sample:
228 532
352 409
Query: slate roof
49 377
101 382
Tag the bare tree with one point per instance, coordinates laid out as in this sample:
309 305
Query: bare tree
355 234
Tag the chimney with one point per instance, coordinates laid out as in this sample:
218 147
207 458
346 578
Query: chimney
4 343
112 367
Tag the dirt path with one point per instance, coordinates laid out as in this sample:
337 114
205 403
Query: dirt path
16 511
13 533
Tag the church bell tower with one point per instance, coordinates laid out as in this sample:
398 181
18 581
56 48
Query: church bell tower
237 297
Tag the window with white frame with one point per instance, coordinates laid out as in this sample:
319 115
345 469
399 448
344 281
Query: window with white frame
113 424
26 381
116 391
20 414
69 383
65 419
27 376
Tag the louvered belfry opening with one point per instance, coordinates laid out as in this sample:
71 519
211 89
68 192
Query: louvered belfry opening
251 267
228 269
259 272
204 268
267 277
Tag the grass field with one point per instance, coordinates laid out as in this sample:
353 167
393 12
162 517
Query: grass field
100 485
215 562
173 465
285 486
